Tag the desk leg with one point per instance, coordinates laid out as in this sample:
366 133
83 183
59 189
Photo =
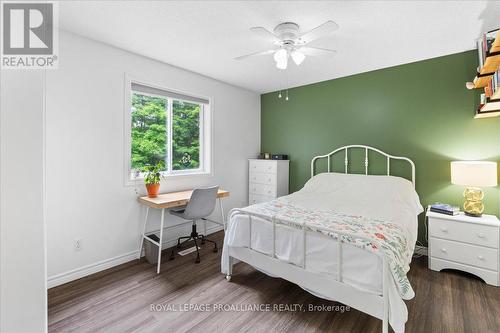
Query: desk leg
143 232
222 214
161 240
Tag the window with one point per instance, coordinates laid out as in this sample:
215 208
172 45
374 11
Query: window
170 127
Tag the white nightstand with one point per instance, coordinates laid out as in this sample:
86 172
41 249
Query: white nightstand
469 244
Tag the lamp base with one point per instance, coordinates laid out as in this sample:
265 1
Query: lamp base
473 215
473 205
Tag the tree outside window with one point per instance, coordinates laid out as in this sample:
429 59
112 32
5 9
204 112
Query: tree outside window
151 118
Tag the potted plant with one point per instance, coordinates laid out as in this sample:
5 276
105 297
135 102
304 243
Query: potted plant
152 178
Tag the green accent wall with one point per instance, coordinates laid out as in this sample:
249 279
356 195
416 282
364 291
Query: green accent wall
420 110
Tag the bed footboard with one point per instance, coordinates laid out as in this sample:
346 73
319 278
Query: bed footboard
372 304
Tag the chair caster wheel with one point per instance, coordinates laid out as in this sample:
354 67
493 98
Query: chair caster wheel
202 242
172 256
197 261
216 250
228 278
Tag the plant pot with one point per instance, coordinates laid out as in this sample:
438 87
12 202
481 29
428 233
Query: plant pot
153 190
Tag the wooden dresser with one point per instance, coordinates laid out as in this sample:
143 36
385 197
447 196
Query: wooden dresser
267 180
465 243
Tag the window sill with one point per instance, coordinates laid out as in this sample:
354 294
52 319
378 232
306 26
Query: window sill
194 174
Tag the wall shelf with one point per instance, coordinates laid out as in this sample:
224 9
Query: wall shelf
491 63
483 77
490 109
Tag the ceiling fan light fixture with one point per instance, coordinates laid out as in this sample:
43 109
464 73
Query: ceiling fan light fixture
280 55
282 64
281 58
298 57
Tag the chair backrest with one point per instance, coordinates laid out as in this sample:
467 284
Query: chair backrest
202 203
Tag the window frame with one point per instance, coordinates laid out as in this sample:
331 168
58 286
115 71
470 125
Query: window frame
205 132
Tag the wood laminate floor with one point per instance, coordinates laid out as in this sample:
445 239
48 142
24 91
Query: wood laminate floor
119 300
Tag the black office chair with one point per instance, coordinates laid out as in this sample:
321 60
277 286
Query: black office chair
200 205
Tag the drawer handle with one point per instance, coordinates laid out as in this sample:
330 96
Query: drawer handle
268 168
480 235
443 250
480 257
443 229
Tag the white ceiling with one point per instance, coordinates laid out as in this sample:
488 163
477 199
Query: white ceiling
205 36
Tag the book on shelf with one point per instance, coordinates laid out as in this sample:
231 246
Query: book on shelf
442 208
482 100
491 87
484 44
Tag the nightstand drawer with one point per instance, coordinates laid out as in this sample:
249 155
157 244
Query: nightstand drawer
464 253
479 234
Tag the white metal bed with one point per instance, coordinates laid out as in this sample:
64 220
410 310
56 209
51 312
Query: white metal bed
372 304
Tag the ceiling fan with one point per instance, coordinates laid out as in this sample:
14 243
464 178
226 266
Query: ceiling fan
291 43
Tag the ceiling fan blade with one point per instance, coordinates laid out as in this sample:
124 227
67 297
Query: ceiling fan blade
255 54
317 51
319 31
266 34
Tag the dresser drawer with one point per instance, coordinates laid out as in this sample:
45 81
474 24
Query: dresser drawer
478 234
257 166
255 199
464 253
261 189
262 178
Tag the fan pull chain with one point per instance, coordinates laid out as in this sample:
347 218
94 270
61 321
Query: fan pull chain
287 85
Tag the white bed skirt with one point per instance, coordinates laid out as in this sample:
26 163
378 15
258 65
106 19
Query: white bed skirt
361 284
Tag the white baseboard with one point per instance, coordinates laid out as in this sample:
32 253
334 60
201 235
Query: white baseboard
80 272
74 274
421 250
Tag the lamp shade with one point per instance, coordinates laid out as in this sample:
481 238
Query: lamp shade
474 173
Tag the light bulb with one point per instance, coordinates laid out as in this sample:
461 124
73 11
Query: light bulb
297 57
279 94
282 64
286 98
281 58
280 55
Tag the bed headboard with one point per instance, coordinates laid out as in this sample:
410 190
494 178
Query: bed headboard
345 149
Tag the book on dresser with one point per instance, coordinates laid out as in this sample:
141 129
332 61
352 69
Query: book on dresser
267 180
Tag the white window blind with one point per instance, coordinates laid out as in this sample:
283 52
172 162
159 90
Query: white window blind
137 87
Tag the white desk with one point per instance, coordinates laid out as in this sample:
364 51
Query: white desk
167 201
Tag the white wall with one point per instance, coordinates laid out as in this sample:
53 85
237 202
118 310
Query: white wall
23 300
86 195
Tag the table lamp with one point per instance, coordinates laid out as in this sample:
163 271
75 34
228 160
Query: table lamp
473 175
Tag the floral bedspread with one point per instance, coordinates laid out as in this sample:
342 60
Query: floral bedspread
377 235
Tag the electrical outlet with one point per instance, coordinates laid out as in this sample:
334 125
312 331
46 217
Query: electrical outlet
78 244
